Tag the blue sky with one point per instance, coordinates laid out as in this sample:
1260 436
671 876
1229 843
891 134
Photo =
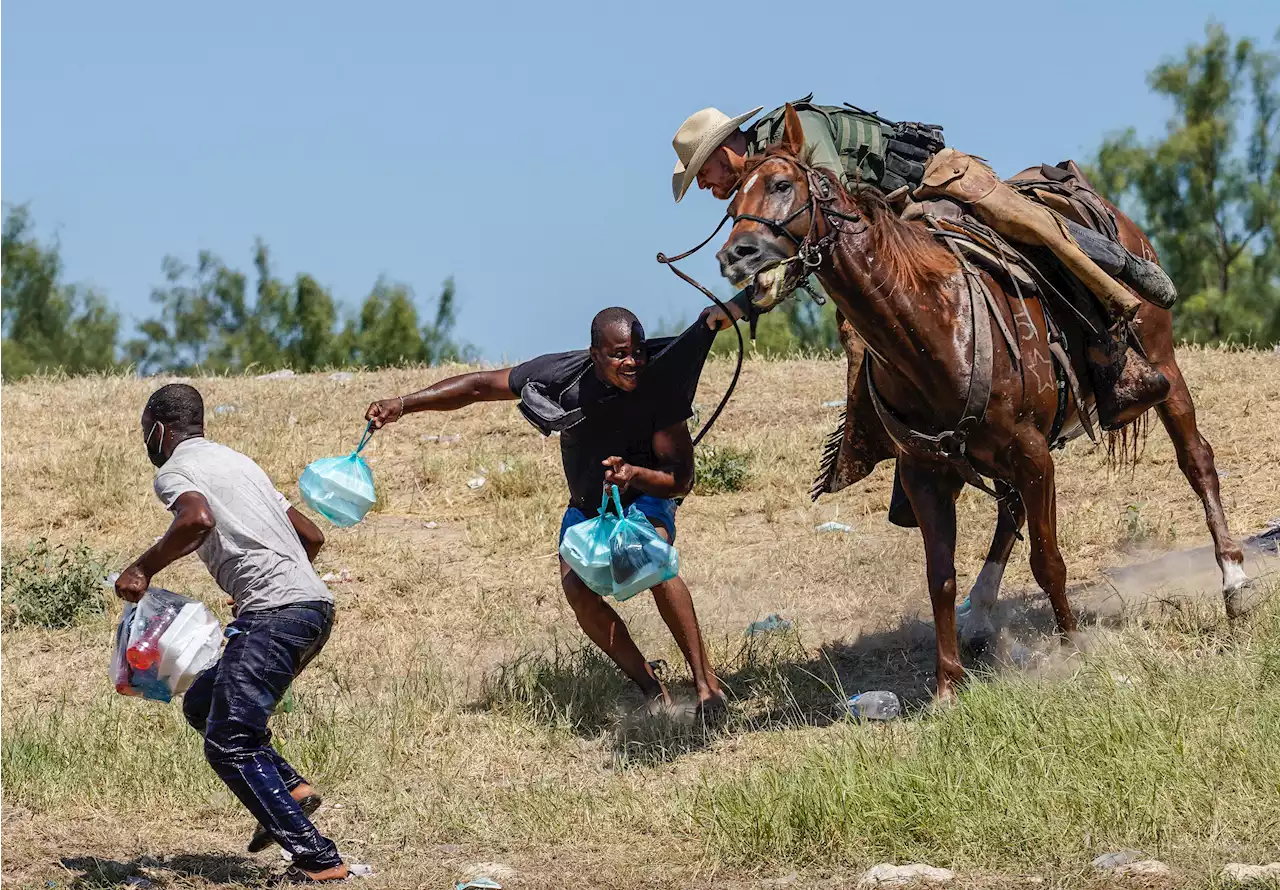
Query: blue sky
524 148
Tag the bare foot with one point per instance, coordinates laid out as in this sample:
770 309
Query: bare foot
337 873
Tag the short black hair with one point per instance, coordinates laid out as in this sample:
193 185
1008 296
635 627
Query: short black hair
608 318
177 405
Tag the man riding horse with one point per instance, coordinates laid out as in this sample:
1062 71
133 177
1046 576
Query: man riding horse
909 163
963 348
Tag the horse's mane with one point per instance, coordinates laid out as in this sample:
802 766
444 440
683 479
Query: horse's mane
912 260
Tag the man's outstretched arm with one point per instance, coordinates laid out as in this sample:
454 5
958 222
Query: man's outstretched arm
447 395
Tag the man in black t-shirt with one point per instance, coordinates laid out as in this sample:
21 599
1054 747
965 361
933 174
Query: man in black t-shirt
621 420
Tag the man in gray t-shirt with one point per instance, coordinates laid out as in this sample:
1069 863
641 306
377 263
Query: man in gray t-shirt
254 551
259 550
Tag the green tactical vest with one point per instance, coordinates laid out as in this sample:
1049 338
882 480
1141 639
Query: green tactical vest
873 151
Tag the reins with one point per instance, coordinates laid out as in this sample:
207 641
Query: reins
808 251
670 262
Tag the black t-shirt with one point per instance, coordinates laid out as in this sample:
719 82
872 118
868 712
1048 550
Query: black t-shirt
613 422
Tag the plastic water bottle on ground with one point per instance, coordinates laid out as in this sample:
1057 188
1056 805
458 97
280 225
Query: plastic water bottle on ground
878 705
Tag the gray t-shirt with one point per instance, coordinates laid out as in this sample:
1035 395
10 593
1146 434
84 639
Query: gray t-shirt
253 552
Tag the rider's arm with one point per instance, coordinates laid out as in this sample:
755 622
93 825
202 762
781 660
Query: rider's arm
447 395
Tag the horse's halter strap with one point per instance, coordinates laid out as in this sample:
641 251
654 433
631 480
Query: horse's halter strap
821 195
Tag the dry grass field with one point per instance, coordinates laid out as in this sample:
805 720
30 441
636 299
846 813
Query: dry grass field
456 723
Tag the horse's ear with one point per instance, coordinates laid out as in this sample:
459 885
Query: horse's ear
792 132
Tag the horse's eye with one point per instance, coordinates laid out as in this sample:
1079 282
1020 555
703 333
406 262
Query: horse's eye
782 186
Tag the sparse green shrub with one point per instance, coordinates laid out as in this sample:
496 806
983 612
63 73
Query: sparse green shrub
720 469
52 586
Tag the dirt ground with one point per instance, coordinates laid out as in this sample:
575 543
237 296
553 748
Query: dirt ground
451 585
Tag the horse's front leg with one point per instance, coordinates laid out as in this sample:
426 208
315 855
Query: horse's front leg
932 490
1033 477
977 627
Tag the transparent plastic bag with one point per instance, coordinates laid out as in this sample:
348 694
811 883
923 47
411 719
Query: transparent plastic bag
163 642
586 549
638 557
340 488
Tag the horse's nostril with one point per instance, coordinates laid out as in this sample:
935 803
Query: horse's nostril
743 250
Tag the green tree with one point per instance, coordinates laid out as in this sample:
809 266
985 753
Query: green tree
797 327
48 324
1208 192
207 321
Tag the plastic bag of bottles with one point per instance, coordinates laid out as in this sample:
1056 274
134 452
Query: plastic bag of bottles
163 642
619 554
340 488
586 549
638 557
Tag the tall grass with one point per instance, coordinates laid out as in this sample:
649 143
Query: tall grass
1165 740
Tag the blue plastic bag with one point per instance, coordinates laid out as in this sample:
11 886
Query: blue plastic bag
619 554
586 549
638 557
340 488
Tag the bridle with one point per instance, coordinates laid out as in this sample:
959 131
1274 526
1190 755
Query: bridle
809 250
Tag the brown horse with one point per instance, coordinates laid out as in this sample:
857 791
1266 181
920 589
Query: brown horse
926 328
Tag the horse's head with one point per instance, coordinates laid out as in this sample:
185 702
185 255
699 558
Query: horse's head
775 219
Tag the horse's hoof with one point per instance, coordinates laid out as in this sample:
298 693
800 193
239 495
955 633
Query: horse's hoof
1244 598
980 643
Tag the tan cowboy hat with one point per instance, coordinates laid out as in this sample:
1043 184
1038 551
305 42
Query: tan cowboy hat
697 138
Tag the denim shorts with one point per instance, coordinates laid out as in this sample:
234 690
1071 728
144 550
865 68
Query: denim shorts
659 511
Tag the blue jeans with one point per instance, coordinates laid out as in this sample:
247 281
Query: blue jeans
229 705
659 511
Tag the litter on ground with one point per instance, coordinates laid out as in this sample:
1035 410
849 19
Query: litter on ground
771 624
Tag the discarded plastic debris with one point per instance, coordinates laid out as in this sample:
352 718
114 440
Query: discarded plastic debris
834 403
1108 861
774 623
342 576
342 376
477 482
226 409
492 872
964 607
834 527
504 467
878 705
293 420
444 440
479 884
431 525
282 374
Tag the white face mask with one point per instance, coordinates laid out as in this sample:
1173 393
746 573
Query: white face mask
157 457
